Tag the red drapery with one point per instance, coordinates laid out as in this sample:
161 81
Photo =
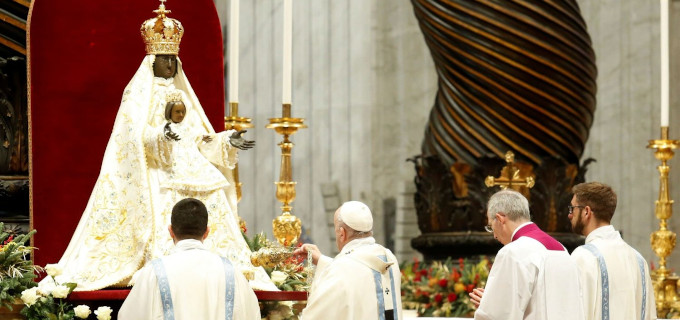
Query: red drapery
81 56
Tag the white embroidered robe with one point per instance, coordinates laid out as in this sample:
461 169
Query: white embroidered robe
529 282
197 284
623 272
344 287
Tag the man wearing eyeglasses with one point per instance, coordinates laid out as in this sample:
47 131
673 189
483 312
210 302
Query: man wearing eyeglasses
614 276
533 277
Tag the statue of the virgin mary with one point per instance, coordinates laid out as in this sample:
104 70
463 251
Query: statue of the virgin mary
125 223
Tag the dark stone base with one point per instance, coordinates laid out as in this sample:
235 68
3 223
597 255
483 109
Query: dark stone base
440 246
14 202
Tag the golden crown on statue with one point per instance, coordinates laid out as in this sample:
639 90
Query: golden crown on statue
173 96
161 34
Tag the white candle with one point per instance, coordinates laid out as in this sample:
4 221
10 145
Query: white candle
233 51
665 66
287 50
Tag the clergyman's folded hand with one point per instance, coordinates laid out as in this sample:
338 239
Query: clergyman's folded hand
476 296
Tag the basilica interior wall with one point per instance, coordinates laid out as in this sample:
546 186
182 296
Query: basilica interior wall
364 81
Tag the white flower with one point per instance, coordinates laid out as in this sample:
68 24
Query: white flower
53 270
60 291
30 296
46 286
103 313
82 311
279 277
275 315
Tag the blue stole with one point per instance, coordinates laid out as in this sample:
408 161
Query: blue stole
379 294
166 296
605 280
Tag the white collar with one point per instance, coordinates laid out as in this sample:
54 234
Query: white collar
520 227
188 244
356 243
163 81
605 232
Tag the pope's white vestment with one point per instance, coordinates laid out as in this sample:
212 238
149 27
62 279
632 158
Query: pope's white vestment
624 276
197 285
528 281
344 288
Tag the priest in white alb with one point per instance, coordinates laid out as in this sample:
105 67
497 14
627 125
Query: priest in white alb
533 277
614 276
363 281
192 282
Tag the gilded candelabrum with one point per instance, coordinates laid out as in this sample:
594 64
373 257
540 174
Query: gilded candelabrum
287 227
663 240
233 121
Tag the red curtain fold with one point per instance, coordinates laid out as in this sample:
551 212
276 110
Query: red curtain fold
81 56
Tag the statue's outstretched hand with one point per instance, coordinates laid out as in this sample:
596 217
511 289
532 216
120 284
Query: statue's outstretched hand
237 141
169 134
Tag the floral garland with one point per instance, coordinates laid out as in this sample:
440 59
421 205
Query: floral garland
440 289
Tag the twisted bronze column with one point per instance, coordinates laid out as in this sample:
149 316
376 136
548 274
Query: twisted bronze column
513 76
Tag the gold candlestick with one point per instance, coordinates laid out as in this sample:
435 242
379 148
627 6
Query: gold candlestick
287 227
233 121
663 240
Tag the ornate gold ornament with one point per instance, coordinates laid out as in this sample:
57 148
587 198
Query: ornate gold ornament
161 34
663 240
233 121
287 227
270 257
510 176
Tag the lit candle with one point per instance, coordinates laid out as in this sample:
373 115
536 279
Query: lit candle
287 50
233 52
664 64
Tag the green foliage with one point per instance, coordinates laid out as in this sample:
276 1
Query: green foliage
257 242
17 272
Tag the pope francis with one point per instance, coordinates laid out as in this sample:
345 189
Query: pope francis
363 281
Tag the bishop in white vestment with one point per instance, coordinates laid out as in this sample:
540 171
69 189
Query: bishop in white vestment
533 276
363 281
614 276
191 283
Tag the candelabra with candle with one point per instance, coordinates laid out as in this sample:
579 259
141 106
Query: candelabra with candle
233 121
663 240
287 227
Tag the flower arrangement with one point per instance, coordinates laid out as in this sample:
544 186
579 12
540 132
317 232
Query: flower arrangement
16 268
289 275
441 289
48 300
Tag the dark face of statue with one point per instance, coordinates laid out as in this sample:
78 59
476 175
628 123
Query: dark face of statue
178 112
165 66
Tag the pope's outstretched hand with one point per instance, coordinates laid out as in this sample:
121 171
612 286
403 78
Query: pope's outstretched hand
305 248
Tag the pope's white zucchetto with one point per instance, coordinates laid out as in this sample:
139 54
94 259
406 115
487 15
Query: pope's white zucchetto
356 215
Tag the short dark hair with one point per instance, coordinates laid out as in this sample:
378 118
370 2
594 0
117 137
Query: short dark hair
189 219
600 197
168 109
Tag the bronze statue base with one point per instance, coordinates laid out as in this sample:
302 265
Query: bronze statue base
440 246
451 201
